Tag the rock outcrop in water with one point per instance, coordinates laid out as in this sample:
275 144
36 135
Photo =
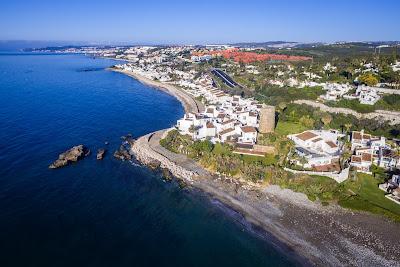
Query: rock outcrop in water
100 153
167 175
72 155
153 164
128 139
122 153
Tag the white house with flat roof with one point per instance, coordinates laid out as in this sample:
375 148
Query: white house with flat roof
318 147
318 141
248 134
367 95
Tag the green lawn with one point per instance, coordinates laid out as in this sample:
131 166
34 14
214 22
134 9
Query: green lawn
369 197
315 187
362 194
286 127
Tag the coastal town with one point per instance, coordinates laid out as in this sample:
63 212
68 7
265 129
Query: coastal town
200 133
262 122
241 120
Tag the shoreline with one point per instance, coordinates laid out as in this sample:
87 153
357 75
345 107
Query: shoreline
310 233
189 104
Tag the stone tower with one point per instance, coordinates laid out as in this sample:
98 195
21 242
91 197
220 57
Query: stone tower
267 119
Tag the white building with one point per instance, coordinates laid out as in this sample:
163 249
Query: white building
318 141
362 162
368 150
201 58
367 95
359 139
329 67
335 91
248 134
317 147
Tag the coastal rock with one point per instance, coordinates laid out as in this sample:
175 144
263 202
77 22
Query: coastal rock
182 184
100 153
131 141
167 175
153 164
122 153
128 139
72 155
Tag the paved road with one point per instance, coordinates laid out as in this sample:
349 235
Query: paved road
225 77
392 116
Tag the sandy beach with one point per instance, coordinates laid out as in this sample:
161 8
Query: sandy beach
189 104
318 235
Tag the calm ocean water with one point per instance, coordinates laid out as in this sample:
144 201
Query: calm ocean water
100 213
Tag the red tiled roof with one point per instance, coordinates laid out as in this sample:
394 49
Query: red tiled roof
248 57
221 116
306 135
356 136
359 136
366 157
253 114
355 158
249 129
228 121
331 144
210 125
317 140
226 131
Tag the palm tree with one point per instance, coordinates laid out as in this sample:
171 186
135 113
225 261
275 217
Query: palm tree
348 126
326 119
192 130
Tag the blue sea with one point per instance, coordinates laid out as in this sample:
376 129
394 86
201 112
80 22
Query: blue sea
101 213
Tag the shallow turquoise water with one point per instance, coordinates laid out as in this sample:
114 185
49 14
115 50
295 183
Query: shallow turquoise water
100 213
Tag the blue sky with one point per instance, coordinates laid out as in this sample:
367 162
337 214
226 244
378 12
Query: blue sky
169 21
